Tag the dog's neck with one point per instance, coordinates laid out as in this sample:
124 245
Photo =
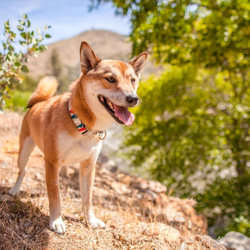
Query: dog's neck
81 127
79 105
95 118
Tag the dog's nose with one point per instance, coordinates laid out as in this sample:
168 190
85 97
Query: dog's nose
132 99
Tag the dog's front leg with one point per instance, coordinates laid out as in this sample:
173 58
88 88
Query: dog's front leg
87 176
52 180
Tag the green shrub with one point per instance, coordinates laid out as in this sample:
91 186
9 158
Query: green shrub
192 133
18 101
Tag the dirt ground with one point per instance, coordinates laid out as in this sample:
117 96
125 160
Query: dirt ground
138 214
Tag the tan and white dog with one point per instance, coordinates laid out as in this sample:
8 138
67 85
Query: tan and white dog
69 128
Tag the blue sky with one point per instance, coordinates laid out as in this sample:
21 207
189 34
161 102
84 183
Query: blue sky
67 17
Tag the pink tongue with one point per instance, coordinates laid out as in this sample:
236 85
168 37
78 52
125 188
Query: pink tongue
124 115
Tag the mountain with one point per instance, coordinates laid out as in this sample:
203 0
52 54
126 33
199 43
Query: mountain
106 44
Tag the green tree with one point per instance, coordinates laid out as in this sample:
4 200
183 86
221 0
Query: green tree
12 61
193 128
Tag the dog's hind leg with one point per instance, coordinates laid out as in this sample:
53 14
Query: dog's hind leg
26 146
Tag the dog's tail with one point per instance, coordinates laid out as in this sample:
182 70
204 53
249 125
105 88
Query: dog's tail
46 88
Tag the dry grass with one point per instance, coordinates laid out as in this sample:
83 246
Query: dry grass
130 215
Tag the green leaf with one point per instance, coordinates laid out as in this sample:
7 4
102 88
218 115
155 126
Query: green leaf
47 35
19 27
23 35
25 69
11 48
18 64
22 42
22 23
7 23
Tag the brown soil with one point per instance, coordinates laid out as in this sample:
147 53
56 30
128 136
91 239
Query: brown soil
137 212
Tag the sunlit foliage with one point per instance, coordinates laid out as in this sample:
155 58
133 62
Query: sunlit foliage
192 130
13 61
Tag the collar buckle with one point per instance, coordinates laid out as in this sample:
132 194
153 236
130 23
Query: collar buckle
101 134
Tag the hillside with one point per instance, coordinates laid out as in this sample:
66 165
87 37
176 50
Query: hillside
137 212
106 44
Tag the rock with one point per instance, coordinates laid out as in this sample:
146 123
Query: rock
38 177
156 228
142 184
67 172
175 210
124 178
235 240
100 192
110 165
148 198
151 196
157 187
209 243
120 188
139 183
102 158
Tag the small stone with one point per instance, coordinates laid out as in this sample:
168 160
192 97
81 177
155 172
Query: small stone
157 187
157 228
235 240
209 243
125 178
139 183
120 188
38 177
111 166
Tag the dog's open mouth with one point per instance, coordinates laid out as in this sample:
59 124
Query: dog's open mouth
120 114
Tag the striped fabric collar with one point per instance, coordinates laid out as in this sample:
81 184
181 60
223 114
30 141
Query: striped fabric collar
81 127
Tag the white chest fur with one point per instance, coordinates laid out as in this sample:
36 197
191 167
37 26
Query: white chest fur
76 149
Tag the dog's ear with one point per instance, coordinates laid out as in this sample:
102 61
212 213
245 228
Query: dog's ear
88 58
138 63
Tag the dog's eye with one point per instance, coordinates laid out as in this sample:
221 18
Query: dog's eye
110 79
132 80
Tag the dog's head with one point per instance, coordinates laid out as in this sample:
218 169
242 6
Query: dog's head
111 85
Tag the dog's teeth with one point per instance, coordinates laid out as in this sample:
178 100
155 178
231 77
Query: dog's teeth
110 104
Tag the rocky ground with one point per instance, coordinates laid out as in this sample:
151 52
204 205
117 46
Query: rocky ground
137 212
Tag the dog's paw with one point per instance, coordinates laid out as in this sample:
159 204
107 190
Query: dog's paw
96 223
58 226
14 191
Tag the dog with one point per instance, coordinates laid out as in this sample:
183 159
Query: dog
69 128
